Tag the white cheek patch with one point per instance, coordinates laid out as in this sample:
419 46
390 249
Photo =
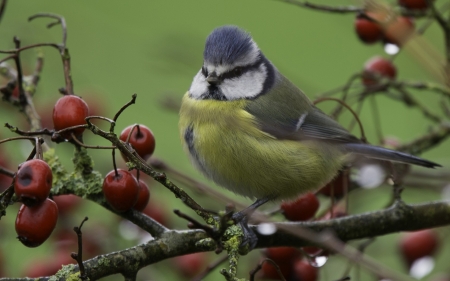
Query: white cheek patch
199 85
248 85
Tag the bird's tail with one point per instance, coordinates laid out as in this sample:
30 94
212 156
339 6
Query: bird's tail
381 153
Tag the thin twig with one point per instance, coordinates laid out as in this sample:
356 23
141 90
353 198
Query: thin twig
376 119
409 100
132 101
75 139
324 8
79 256
428 140
29 47
259 267
6 172
27 133
59 20
38 69
2 9
355 115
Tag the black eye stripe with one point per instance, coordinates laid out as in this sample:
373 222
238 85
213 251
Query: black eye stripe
240 70
237 71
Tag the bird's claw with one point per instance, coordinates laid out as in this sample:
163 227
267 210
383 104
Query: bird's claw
249 237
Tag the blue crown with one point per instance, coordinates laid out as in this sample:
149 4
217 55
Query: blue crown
227 44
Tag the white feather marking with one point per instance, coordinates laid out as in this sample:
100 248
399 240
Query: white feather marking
248 85
300 121
199 85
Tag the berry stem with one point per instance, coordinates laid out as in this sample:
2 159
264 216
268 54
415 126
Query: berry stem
131 132
78 142
114 161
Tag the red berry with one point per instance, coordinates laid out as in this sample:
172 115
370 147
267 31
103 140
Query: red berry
418 244
70 111
33 181
282 254
35 224
121 190
190 265
303 208
142 140
368 30
399 30
269 271
336 186
378 67
67 203
414 4
144 196
304 271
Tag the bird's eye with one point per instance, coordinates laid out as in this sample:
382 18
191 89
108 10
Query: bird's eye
204 71
237 71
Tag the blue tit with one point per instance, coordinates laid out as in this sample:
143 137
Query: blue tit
249 129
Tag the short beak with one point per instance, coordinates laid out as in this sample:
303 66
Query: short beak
213 79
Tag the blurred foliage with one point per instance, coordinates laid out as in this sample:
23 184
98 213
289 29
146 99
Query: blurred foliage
154 48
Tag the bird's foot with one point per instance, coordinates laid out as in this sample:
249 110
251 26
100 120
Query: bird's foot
249 238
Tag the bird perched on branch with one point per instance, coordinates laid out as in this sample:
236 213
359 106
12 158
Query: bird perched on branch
250 130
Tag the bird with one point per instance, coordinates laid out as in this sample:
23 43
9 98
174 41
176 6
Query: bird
249 129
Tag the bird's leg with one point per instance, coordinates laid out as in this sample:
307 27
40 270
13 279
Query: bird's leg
241 218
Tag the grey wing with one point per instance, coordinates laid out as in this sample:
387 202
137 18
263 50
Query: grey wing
286 113
290 115
318 125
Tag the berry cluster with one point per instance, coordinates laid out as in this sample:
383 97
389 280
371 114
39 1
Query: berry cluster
38 215
375 26
121 189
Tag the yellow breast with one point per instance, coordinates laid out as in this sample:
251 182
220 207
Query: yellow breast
224 141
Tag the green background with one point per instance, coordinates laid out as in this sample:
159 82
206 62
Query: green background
154 48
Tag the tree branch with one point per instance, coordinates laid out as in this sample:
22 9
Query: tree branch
397 218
